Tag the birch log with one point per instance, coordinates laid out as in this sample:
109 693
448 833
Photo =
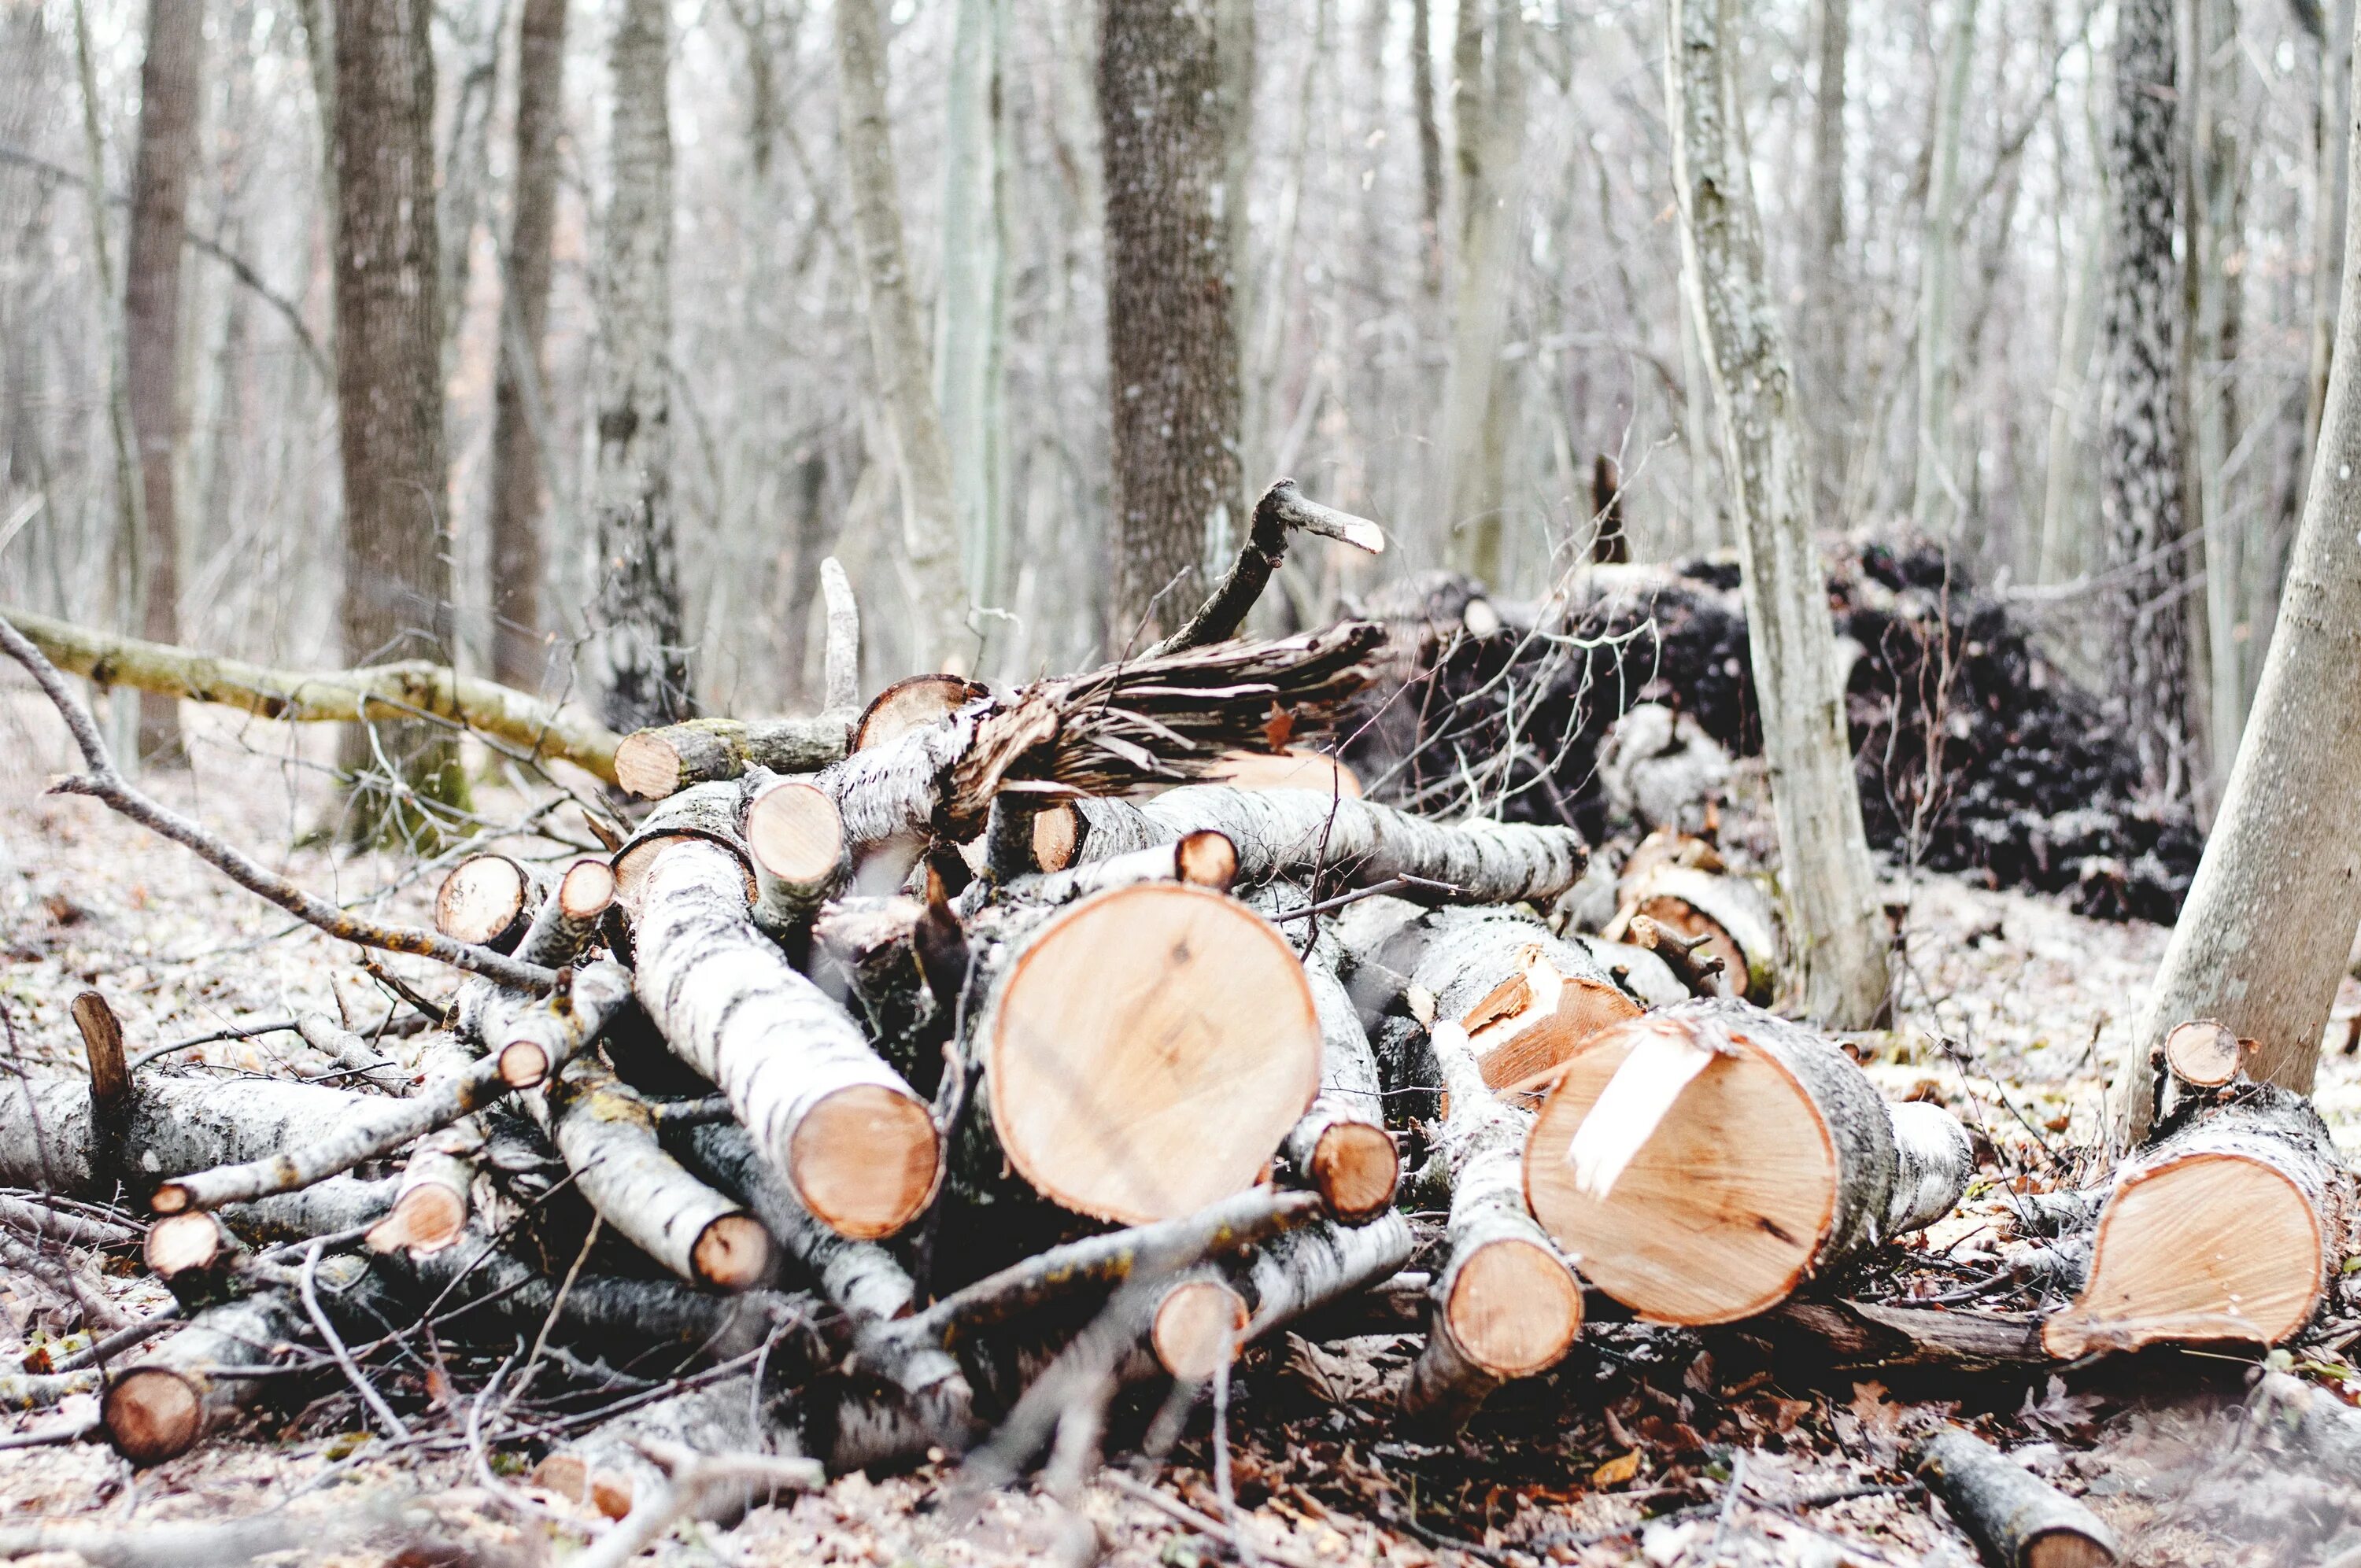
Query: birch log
1341 1148
488 900
1285 1279
858 1145
1345 840
174 1125
2016 1518
2229 1226
1505 1303
1732 1156
654 763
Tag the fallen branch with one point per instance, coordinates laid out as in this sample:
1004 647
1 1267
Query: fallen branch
1282 509
2016 1518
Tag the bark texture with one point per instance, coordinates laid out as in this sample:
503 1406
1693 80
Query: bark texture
169 80
1836 923
1172 336
2019 1519
397 590
2143 401
644 675
2284 840
520 409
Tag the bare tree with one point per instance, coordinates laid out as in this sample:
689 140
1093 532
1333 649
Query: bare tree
520 658
922 459
2216 174
397 590
641 651
169 82
1937 491
2263 939
1430 142
1828 314
1830 892
2141 474
1172 344
466 160
969 312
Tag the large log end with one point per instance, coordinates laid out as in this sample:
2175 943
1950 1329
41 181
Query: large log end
1513 1307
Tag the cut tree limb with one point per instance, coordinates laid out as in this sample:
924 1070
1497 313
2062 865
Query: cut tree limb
654 763
567 922
487 900
430 1204
796 839
182 1123
1341 1148
1752 1153
1291 1276
1505 1305
861 1278
408 689
2229 1226
858 1146
2016 1518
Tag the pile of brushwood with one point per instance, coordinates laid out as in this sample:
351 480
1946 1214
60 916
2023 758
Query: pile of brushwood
917 1081
1975 753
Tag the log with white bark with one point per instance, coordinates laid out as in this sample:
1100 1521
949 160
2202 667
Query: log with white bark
912 704
1700 1163
353 1055
49 1223
173 1125
608 1468
608 1138
488 900
554 1029
2016 1518
1505 1304
1341 1148
1730 913
858 1146
430 1204
1287 1277
654 763
796 839
1206 860
529 1036
2229 1226
567 922
1345 841
1142 1052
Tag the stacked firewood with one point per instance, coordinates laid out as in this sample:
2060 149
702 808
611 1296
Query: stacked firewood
919 1067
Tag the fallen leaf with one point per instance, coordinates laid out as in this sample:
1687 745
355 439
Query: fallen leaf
1617 1471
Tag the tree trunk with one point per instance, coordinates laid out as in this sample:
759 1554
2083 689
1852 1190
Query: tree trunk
397 591
1429 144
466 162
2062 530
1937 492
2330 170
520 657
1826 309
643 655
2141 473
168 87
1834 921
1173 342
1488 125
969 300
2258 947
922 454
2216 243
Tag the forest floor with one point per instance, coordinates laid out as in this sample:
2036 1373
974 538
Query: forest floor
2013 1010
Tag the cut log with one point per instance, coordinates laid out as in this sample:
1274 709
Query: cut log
567 922
430 1206
715 813
2015 1518
556 1026
860 1278
178 1123
1198 1325
609 1141
2203 1054
1206 860
912 704
1739 1154
529 1037
338 1206
1505 1303
1145 1050
796 840
1341 1148
654 763
2228 1226
607 1467
858 1146
1730 913
1300 834
487 900
1288 1277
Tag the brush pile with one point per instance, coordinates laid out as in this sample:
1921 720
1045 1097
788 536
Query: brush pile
910 1081
1975 753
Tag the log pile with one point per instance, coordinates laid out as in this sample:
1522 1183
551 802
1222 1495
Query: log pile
867 1101
1974 750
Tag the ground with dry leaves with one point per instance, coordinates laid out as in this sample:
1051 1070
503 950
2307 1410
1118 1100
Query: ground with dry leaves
1645 1445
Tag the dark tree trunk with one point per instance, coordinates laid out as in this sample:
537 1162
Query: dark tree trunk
520 658
644 654
397 592
152 308
2141 473
1172 346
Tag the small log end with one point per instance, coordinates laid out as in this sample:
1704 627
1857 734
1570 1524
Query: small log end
152 1414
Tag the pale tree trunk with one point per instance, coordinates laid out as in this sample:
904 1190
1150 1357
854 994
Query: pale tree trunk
1828 310
1429 144
1488 126
520 657
2217 215
2264 937
2330 170
466 162
129 562
1937 492
168 82
642 649
2141 476
970 314
397 590
1834 921
2062 533
905 375
1166 115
